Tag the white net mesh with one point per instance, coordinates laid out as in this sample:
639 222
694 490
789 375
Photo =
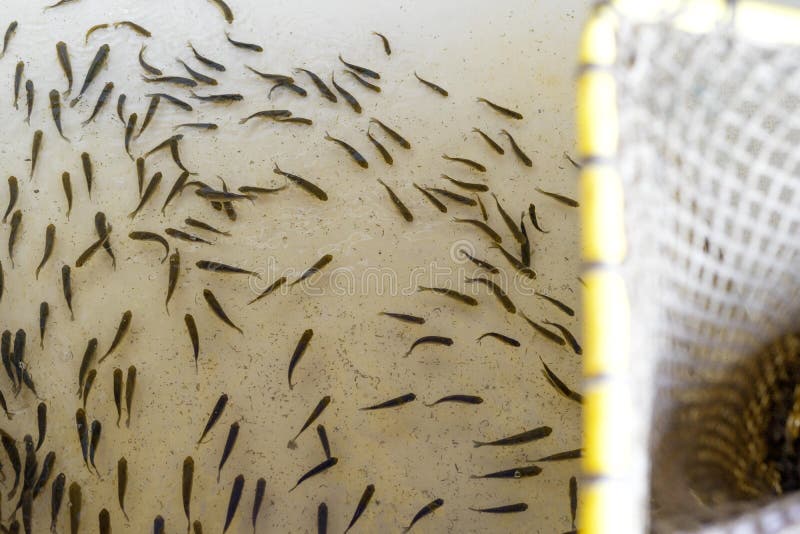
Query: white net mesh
710 160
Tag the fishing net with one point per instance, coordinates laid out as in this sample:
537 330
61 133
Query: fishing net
709 157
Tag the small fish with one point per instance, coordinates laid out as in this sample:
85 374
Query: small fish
292 87
386 47
158 525
442 91
272 287
26 503
74 507
41 423
66 182
363 502
466 299
518 265
461 199
187 480
101 100
321 405
178 234
573 343
93 29
35 147
318 265
151 236
573 499
205 61
16 220
246 46
130 126
130 386
494 236
437 340
500 109
192 328
534 220
96 429
517 472
122 484
261 487
559 456
560 198
518 439
349 98
468 162
230 442
89 252
29 97
362 81
323 439
2 281
385 153
224 98
507 509
259 191
464 399
146 66
505 339
172 100
140 174
322 518
392 403
557 303
233 503
279 78
197 527
404 211
83 434
94 69
56 497
469 186
361 70
357 157
63 59
177 187
220 196
517 150
19 353
497 291
180 81
55 108
164 144
66 283
299 350
174 270
198 125
4 405
122 329
19 69
216 307
216 413
574 163
149 114
148 192
267 114
510 223
391 133
324 466
432 199
10 446
13 195
105 522
323 89
88 171
118 392
44 474
425 511
480 263
404 317
10 31
559 385
302 183
135 27
552 336
49 240
491 142
86 363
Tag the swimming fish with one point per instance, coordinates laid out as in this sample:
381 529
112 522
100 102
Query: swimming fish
93 29
507 509
496 290
118 392
10 31
158 525
391 133
13 195
442 91
257 190
172 100
151 236
425 511
576 348
96 430
246 46
178 234
187 480
105 522
122 329
122 484
552 336
464 399
279 78
491 142
432 199
406 318
559 385
362 81
209 193
135 27
148 192
323 89
573 499
214 266
94 69
318 265
302 183
510 223
67 287
224 98
516 472
216 413
130 386
147 66
322 518
355 154
216 307
404 211
130 126
534 220
140 174
516 263
518 439
149 114
272 287
19 69
557 303
560 198
89 252
468 162
55 108
67 184
466 299
88 172
233 503
180 81
197 527
49 240
226 10
74 507
461 199
292 87
559 456
321 405
177 187
480 263
192 328
505 339
392 403
205 61
385 153
10 446
199 76
349 98
361 70
363 502
101 100
230 442
174 270
302 345
386 47
56 497
469 186
494 236
324 466
35 147
437 340
267 114
198 125
258 499
86 363
44 474
500 109
29 97
41 423
83 434
323 439
517 150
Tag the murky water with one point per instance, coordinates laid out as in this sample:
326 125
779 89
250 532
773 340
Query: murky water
517 53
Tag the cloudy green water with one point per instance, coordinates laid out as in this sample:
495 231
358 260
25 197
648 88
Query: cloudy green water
517 53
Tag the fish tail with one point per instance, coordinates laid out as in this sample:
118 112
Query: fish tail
477 444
